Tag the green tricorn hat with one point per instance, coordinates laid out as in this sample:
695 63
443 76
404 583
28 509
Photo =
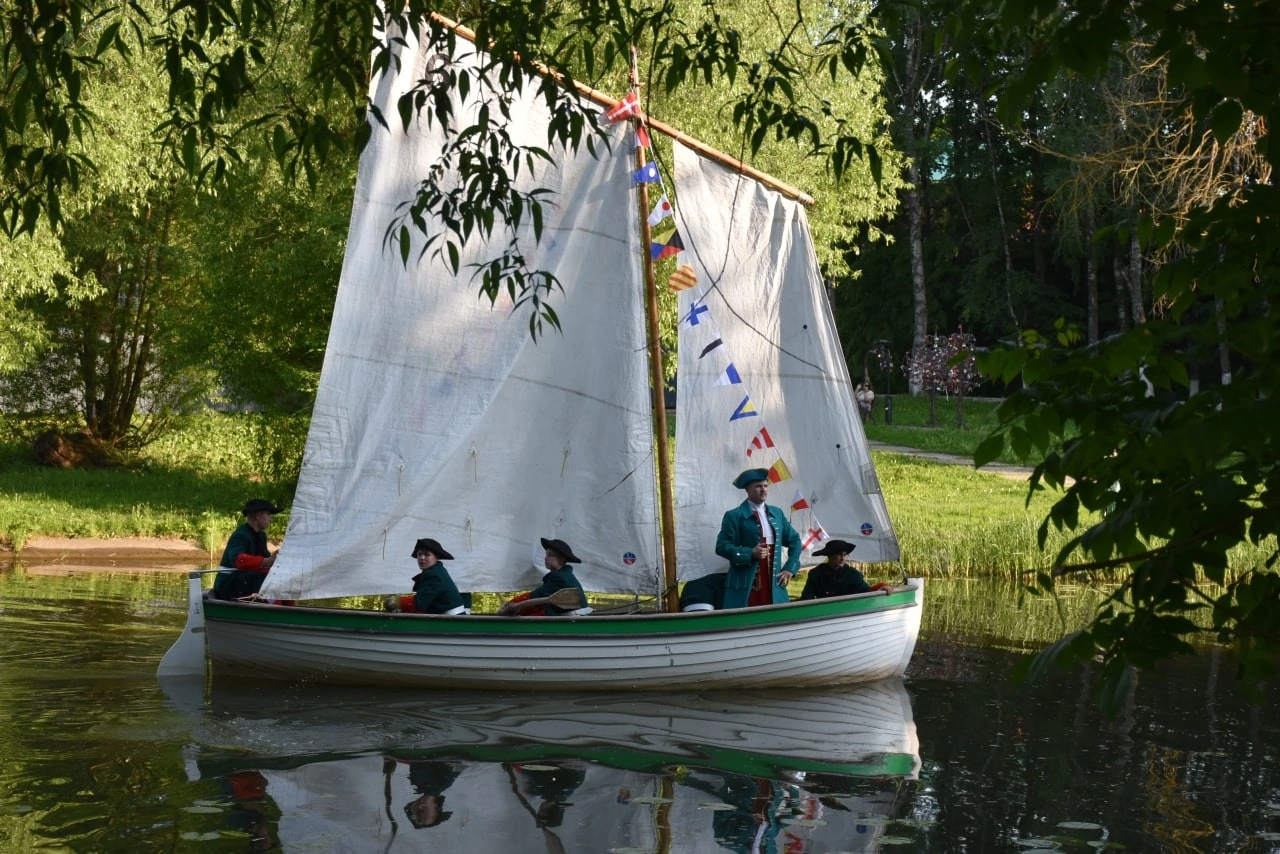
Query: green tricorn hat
749 477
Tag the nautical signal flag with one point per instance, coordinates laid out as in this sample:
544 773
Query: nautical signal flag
707 349
682 280
761 441
642 137
661 211
729 377
666 245
696 310
799 502
813 536
779 472
647 174
626 108
746 409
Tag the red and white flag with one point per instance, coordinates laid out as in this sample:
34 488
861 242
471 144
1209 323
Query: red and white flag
661 211
799 502
815 535
760 442
624 109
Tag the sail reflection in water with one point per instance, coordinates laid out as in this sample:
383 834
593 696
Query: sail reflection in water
685 773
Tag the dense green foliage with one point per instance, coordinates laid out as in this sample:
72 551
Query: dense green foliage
1157 475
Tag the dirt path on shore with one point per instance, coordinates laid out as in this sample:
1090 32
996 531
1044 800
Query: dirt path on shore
114 552
1005 470
158 552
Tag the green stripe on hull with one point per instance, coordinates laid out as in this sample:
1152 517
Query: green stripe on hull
338 619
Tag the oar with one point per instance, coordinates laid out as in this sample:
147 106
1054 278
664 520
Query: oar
567 598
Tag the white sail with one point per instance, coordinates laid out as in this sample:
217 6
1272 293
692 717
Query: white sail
438 416
778 367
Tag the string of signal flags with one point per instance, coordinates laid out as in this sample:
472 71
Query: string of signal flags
668 244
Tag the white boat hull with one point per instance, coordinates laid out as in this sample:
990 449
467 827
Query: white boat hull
825 642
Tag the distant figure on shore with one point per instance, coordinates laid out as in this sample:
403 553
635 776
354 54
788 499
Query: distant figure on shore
433 589
866 400
752 536
835 577
246 560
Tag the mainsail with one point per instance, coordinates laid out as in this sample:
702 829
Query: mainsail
762 379
437 416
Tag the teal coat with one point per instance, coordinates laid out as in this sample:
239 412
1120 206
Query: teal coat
739 534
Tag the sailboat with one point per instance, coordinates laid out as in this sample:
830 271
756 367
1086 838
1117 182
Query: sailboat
437 415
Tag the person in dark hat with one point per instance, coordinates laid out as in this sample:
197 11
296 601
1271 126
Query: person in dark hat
553 785
430 778
752 537
246 559
433 589
835 577
705 593
559 576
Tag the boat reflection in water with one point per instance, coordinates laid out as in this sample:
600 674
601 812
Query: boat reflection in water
305 768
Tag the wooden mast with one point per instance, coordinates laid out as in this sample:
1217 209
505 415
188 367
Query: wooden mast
657 378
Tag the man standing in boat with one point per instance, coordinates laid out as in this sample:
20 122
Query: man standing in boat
751 537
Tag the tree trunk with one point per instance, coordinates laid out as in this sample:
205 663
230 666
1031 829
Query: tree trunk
1135 276
1122 292
915 228
1224 354
1091 274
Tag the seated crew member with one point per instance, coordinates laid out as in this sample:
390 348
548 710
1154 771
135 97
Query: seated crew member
246 559
433 589
559 577
751 538
704 594
835 577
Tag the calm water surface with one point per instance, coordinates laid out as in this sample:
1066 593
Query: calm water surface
98 758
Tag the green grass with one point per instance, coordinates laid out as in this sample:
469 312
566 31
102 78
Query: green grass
951 521
911 427
190 485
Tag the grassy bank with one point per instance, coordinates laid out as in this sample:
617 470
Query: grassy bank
951 520
191 485
913 428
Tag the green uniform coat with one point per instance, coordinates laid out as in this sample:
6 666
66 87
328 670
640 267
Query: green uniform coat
435 593
739 534
559 579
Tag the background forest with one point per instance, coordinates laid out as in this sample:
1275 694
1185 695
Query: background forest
174 278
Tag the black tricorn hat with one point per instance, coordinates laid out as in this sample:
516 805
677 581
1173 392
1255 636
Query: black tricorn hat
562 547
835 547
426 544
253 505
